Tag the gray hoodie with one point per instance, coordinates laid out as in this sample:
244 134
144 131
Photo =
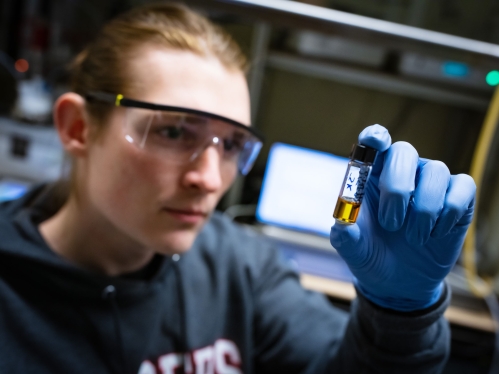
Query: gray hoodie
228 306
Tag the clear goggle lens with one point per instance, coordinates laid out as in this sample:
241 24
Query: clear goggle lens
182 137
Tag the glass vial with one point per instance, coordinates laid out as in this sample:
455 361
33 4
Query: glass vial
352 191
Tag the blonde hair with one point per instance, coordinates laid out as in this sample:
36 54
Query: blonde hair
102 66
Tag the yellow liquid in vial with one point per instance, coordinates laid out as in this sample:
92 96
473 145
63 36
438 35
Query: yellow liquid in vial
346 211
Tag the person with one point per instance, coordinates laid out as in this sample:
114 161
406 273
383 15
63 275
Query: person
128 269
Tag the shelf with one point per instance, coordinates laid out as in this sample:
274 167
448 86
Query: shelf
375 80
402 37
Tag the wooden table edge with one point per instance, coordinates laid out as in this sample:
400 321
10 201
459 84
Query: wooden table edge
345 291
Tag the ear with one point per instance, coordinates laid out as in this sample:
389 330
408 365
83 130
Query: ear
71 122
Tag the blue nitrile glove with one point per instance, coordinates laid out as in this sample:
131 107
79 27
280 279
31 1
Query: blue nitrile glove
410 228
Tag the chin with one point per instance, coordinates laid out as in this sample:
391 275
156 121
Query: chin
175 243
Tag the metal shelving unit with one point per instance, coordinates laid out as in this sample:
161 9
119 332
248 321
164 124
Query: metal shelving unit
392 36
402 37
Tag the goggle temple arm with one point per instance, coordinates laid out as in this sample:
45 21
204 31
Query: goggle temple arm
245 166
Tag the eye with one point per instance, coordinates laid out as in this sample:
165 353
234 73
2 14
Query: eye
233 146
170 132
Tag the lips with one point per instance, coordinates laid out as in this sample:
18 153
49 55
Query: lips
187 215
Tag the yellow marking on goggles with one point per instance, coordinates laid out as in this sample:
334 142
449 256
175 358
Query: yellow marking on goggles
118 99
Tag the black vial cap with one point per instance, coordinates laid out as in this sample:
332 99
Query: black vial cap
363 153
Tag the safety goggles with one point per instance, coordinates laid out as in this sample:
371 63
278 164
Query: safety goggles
179 135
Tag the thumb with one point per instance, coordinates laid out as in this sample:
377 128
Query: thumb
347 240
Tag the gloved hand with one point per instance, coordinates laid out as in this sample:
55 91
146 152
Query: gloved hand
410 228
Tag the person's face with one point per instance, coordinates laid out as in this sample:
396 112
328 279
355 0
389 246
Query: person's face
156 203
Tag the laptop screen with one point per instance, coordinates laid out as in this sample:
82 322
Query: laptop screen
300 188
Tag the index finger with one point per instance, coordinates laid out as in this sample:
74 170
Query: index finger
377 137
396 184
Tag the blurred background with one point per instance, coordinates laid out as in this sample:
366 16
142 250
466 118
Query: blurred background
322 70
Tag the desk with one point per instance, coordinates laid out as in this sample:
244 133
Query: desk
480 320
323 270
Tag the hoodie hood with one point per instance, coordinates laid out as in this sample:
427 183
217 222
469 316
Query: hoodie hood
22 242
42 272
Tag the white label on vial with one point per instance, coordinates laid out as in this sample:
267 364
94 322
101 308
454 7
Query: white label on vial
355 183
351 183
361 183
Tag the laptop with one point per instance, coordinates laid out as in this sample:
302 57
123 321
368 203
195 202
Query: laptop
298 195
295 208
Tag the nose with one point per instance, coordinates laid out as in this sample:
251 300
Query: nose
204 171
215 141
